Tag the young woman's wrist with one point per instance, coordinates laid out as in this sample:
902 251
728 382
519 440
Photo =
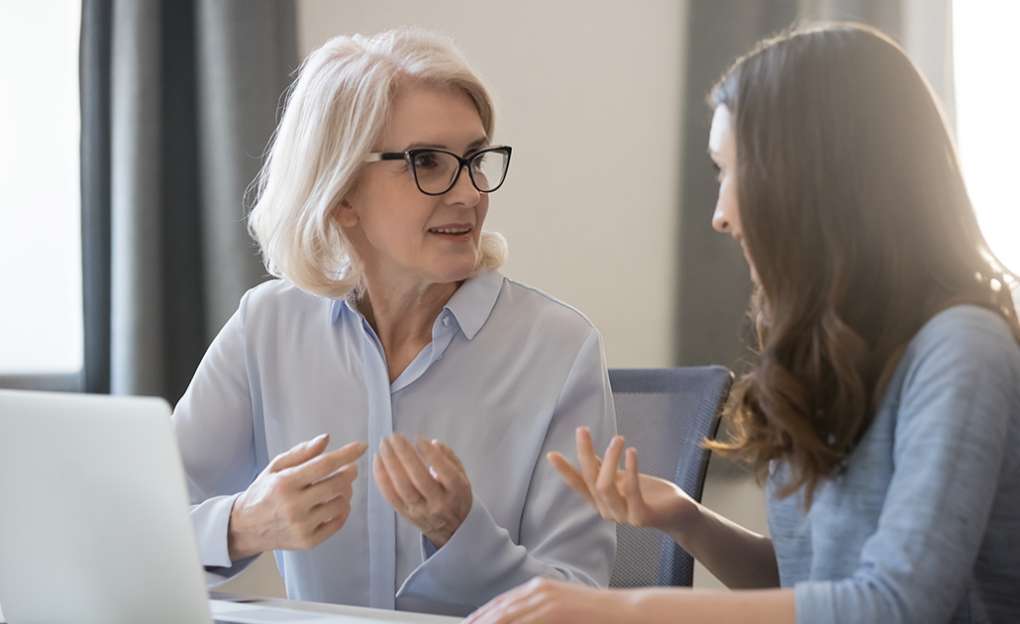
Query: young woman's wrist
684 528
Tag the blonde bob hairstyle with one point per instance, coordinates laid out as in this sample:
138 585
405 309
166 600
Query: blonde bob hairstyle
335 112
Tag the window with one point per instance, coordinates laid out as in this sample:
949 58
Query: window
40 231
985 49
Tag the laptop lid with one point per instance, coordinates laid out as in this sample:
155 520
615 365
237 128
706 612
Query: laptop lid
93 513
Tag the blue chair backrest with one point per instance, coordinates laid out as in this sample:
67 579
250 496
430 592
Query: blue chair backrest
665 414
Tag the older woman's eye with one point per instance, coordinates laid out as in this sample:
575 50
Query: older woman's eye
480 161
426 160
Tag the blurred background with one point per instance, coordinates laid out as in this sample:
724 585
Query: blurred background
130 129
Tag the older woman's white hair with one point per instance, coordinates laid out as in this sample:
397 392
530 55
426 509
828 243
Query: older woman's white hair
334 114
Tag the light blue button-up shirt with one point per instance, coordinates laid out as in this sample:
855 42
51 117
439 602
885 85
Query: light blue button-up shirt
509 375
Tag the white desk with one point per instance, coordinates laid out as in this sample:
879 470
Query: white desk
343 614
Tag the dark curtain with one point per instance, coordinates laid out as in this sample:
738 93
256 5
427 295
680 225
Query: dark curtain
178 101
714 285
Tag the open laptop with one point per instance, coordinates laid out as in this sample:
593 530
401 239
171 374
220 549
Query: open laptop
94 524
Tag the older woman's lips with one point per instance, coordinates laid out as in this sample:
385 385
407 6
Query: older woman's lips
452 231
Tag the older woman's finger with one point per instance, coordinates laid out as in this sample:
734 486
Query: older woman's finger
605 484
340 484
570 475
448 470
408 494
326 464
450 455
415 469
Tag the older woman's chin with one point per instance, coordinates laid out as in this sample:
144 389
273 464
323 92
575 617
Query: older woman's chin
489 252
449 272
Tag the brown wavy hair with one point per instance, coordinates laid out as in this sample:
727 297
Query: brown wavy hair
855 216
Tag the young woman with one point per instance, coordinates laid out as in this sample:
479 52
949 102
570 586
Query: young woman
392 333
884 409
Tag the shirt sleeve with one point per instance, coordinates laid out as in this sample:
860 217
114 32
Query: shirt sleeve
950 436
213 425
561 536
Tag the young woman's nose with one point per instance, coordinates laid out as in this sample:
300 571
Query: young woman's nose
719 221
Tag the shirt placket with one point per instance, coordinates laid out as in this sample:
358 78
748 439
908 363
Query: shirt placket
382 531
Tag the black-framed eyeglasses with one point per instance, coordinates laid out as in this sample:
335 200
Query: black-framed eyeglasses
435 171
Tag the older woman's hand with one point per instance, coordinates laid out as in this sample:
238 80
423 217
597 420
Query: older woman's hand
301 498
425 483
544 600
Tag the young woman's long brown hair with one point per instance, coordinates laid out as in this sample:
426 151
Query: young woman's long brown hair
857 221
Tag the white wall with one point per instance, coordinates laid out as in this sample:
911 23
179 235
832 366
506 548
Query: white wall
589 96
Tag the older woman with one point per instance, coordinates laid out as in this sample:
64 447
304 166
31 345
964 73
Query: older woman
391 332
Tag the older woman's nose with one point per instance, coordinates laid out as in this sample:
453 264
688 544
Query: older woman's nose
463 191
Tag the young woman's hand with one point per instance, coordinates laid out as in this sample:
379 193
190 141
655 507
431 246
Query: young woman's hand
625 496
555 602
301 498
425 483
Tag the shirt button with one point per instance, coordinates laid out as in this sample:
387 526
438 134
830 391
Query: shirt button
446 321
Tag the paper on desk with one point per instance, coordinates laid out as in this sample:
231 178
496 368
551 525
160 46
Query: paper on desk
277 611
250 614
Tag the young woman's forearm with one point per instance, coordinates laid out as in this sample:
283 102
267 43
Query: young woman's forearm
766 606
740 558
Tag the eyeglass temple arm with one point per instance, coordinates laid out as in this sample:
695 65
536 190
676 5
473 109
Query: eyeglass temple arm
377 156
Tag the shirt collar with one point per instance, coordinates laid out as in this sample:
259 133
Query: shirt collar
473 302
471 305
337 307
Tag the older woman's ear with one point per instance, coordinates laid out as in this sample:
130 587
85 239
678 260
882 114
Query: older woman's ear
345 214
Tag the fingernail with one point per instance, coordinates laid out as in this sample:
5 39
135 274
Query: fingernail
319 438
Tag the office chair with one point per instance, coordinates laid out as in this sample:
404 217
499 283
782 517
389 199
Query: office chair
665 414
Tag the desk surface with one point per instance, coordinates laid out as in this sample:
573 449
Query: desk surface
354 615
